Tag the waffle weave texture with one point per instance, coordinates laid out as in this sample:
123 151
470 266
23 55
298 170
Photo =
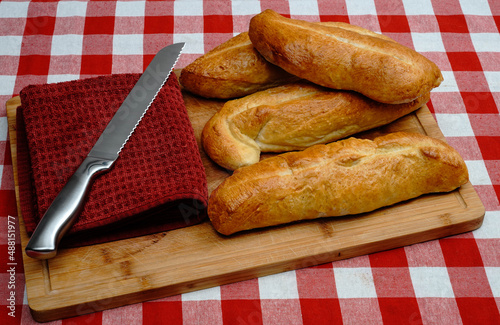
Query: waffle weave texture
158 183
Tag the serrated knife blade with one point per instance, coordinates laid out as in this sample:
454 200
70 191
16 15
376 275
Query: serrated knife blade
68 204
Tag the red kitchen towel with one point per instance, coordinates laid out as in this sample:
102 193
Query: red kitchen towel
158 183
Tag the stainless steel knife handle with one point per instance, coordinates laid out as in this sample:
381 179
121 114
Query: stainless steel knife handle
65 208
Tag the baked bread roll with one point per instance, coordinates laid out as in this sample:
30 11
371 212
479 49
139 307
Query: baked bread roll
232 69
343 57
292 117
351 176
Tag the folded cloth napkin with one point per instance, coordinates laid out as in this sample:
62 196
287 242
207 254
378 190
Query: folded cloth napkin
158 183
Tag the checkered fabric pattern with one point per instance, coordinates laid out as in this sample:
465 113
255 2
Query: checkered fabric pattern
454 280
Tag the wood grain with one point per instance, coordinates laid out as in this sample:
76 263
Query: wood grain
88 279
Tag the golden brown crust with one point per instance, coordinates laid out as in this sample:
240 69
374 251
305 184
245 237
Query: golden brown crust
232 69
292 117
343 57
346 177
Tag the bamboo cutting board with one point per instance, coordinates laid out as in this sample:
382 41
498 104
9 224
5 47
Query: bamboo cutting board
88 279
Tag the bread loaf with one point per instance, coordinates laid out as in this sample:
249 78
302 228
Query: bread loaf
232 69
292 117
351 176
343 57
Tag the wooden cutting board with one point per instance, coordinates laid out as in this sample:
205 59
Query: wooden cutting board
88 279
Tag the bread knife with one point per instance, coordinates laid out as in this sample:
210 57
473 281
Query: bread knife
68 204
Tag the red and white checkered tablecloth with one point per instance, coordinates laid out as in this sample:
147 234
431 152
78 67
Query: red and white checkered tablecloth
455 280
